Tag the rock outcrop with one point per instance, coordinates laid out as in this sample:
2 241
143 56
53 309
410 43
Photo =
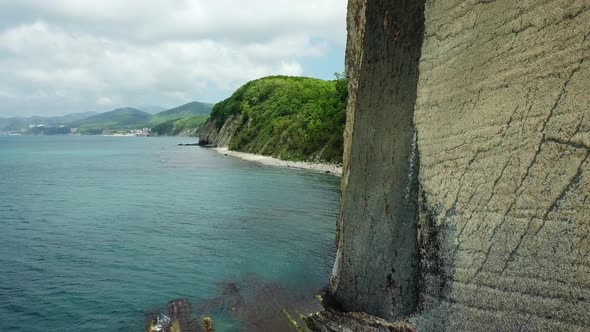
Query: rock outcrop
494 232
286 117
377 259
216 136
330 320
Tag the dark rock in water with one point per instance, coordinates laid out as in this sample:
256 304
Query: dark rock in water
188 144
205 142
180 311
180 319
259 305
207 323
159 322
333 321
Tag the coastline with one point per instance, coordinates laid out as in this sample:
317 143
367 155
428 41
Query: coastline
271 161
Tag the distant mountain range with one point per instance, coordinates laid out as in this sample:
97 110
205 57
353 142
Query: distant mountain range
122 118
183 111
17 123
152 109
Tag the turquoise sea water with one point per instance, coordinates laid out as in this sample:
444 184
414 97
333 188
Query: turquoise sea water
97 232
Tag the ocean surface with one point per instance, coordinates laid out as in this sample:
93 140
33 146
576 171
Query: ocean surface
98 233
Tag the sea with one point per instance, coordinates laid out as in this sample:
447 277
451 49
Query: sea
101 233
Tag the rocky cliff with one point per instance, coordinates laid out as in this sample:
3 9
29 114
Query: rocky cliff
214 135
291 118
466 185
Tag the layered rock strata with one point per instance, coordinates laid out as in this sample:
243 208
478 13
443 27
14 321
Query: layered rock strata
494 231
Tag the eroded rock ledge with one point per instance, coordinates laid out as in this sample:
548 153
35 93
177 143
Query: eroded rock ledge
336 321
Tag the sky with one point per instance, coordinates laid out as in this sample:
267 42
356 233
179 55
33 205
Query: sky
68 56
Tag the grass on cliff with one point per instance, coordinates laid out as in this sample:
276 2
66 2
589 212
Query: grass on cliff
293 118
189 125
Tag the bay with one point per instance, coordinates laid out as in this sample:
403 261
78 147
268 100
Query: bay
99 232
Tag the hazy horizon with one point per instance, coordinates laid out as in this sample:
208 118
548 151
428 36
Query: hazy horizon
152 109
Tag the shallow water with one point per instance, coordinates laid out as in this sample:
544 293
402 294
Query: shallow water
99 231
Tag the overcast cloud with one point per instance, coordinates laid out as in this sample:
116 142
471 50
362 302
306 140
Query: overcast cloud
66 56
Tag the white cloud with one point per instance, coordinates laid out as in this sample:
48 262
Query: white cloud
105 101
71 55
178 19
291 68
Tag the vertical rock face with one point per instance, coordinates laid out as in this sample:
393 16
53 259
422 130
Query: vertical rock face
377 261
497 235
503 120
220 137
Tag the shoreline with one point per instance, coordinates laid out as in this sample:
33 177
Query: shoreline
271 161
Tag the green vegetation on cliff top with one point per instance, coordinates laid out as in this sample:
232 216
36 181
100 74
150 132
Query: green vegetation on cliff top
293 118
189 126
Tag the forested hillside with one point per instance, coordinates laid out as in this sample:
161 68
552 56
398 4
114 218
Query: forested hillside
128 118
293 118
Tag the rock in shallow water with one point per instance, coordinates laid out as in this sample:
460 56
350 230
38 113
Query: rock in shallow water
180 319
333 321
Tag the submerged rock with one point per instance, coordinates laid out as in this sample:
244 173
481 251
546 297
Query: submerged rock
255 304
260 305
179 319
207 324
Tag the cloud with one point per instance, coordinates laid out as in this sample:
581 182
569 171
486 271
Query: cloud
70 55
105 101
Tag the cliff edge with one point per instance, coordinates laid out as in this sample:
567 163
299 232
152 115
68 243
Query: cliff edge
466 184
290 118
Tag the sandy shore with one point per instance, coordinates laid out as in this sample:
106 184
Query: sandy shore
266 160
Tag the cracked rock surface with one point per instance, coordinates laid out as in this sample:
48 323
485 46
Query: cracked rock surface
503 121
377 261
220 137
499 95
